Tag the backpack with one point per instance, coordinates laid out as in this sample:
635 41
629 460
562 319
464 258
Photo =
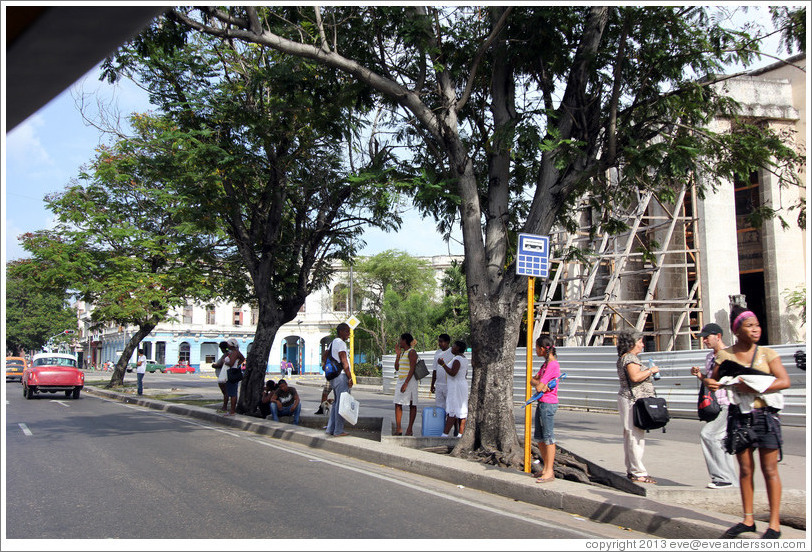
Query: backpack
332 368
707 406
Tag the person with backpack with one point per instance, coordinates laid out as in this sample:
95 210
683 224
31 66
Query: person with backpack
336 368
635 382
721 465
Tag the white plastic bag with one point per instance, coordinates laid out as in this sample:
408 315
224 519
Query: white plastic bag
348 408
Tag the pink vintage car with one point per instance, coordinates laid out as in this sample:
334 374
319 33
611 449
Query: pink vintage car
52 372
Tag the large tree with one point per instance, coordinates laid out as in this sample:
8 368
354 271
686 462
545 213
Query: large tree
124 241
271 153
34 311
513 113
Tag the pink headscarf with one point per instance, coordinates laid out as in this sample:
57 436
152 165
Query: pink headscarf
741 318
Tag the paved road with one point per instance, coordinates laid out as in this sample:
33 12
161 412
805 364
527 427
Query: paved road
374 403
94 468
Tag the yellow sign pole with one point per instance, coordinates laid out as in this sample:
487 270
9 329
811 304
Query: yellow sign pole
531 281
352 355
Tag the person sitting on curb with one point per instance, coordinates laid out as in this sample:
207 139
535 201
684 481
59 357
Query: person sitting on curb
265 401
285 402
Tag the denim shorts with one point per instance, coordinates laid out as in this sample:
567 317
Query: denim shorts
767 426
545 423
232 388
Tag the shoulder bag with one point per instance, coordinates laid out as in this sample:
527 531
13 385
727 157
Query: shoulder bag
420 370
648 412
707 405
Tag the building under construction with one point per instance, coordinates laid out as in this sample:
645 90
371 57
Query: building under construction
679 265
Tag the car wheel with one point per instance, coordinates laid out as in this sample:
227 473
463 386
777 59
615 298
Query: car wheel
67 394
28 393
75 393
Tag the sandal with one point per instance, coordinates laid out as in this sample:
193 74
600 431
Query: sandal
642 478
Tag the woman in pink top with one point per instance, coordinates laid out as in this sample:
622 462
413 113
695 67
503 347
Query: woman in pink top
546 407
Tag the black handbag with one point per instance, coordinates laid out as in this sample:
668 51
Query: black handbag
420 370
740 433
234 375
707 405
648 412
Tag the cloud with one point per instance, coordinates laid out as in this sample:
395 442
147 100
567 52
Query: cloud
24 147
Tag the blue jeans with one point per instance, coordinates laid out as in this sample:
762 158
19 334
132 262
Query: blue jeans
140 383
340 385
286 411
545 423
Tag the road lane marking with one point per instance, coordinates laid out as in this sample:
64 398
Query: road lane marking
60 402
26 431
388 479
313 458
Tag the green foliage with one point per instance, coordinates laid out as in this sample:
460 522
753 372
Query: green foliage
35 309
791 23
796 300
367 370
401 295
122 239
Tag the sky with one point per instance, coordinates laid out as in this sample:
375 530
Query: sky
46 151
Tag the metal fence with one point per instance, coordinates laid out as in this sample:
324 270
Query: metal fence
592 381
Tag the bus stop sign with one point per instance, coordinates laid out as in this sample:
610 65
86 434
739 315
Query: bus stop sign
533 256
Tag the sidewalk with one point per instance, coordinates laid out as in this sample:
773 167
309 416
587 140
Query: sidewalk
679 506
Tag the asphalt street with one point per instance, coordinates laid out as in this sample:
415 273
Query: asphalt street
374 403
97 469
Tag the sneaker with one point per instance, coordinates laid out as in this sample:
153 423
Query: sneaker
719 485
319 411
771 534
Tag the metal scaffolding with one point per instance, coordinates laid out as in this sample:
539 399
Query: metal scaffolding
646 278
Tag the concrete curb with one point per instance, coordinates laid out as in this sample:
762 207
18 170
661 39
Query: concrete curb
597 503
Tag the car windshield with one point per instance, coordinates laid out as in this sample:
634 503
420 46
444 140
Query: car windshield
55 361
14 363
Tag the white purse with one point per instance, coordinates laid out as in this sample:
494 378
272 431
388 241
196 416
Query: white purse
348 408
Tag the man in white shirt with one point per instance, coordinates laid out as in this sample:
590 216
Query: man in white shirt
439 378
141 369
341 383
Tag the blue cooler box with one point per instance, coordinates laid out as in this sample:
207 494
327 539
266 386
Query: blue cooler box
433 421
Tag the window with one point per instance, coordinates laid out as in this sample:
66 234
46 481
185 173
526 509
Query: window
340 298
160 352
210 312
254 316
187 314
184 352
237 317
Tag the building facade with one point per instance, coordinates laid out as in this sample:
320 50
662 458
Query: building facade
194 336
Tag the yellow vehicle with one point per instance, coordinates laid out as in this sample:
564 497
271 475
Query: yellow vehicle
15 366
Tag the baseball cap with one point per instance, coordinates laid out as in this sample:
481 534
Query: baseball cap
232 342
710 329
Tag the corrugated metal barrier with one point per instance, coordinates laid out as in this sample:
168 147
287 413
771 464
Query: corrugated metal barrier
592 381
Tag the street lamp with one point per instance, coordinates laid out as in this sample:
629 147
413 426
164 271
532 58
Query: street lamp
63 332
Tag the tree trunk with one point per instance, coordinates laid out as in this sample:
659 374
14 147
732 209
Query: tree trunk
268 324
491 428
117 379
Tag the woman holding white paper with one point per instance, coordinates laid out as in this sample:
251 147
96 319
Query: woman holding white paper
753 407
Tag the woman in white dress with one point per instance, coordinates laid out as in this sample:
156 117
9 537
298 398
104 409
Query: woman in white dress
457 401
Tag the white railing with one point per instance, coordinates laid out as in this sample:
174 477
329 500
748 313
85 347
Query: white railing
592 381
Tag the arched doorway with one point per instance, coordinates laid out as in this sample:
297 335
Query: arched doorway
293 351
